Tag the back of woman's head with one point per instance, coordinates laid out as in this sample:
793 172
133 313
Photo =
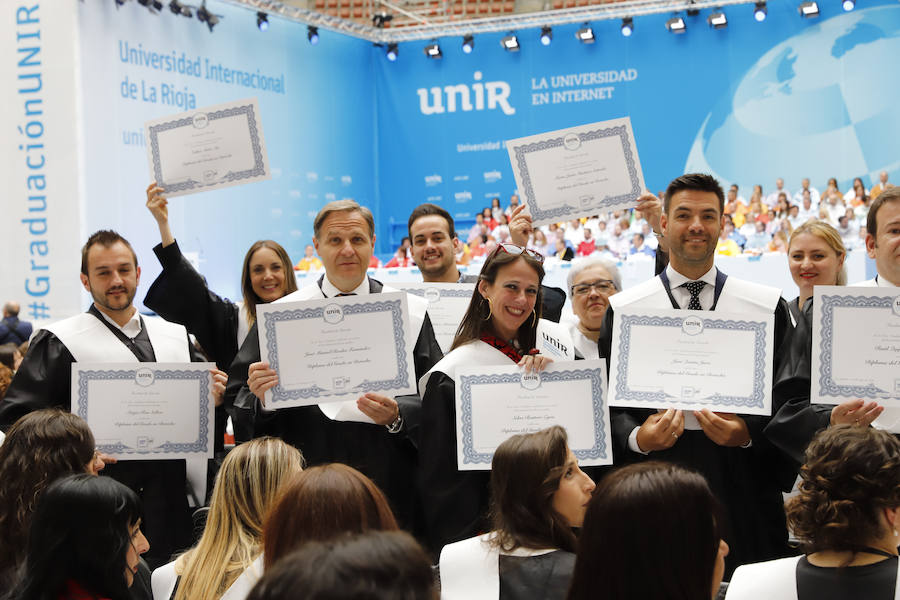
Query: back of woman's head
850 475
320 503
40 448
80 531
651 532
378 565
525 473
246 486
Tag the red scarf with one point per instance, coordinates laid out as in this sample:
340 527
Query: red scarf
502 346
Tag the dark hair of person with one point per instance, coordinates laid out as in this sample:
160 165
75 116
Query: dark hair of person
850 475
345 205
525 474
8 354
888 195
250 297
700 182
320 503
651 532
80 531
106 238
427 210
376 565
477 319
40 448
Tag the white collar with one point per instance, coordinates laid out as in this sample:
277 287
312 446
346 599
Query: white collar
676 279
330 290
882 282
131 328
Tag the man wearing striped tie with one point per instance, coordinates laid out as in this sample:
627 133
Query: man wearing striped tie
744 470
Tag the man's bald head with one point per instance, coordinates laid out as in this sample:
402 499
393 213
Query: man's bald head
11 309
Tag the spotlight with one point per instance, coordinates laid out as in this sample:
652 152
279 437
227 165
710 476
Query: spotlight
546 35
207 17
392 52
585 35
312 34
717 20
468 44
808 9
759 12
676 25
262 21
510 43
627 26
433 50
379 20
178 8
848 5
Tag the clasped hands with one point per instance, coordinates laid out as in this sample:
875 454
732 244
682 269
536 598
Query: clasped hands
661 430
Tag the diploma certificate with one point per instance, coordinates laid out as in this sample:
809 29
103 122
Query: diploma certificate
337 349
856 345
147 411
691 360
494 403
577 172
447 303
206 149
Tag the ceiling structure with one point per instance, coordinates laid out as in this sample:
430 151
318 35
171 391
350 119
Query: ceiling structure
406 20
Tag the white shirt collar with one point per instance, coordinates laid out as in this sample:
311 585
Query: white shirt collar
676 279
131 328
882 282
330 290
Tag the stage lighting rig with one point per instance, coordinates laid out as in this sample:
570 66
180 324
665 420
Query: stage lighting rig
717 20
627 26
468 44
312 34
510 43
676 25
546 35
433 50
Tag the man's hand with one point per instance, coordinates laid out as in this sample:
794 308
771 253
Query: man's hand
651 208
725 429
260 379
520 227
379 408
661 430
220 378
856 412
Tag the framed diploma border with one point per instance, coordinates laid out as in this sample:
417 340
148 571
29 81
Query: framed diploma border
533 381
145 376
333 314
693 325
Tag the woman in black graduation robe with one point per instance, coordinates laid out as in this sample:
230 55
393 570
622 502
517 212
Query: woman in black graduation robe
491 333
180 294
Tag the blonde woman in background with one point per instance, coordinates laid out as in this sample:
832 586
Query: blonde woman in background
227 560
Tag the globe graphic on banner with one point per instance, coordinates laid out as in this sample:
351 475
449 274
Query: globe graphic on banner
823 103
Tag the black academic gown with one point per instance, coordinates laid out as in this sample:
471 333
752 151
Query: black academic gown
390 460
180 295
44 381
747 481
545 576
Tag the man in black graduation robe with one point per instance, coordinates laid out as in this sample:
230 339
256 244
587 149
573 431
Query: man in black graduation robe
386 451
744 470
111 331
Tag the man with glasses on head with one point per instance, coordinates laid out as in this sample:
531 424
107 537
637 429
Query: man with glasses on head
344 237
743 469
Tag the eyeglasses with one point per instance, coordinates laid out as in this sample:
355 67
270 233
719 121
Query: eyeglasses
604 286
514 249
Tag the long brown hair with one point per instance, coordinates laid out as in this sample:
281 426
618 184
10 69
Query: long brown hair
250 297
321 503
477 318
525 474
41 447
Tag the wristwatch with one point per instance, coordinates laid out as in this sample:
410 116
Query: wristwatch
396 426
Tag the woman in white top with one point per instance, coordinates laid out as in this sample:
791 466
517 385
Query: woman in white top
226 562
591 281
538 494
846 516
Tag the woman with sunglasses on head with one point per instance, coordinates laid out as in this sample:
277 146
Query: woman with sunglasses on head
85 542
538 495
498 328
180 294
